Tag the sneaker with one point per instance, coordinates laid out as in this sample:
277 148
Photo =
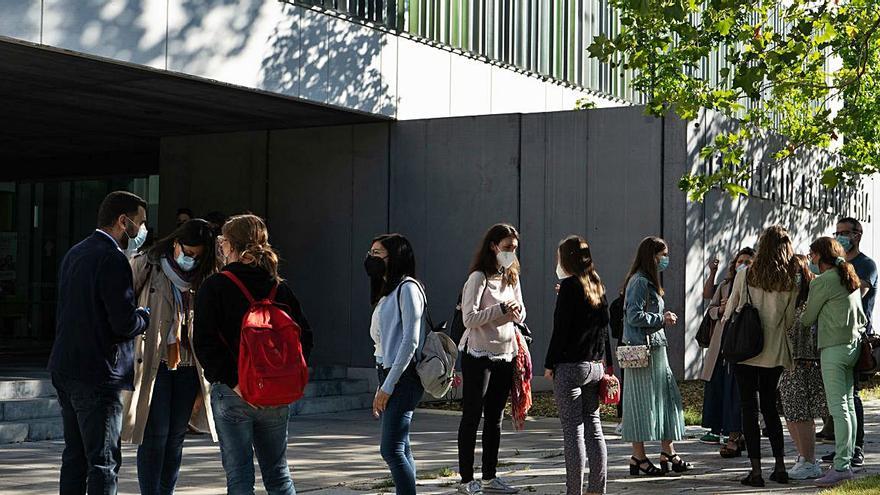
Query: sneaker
804 470
828 459
498 486
834 477
858 458
472 487
710 438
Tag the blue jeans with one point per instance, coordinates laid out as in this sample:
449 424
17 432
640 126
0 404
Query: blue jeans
243 430
158 457
92 418
395 446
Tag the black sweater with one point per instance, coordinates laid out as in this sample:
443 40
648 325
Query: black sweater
579 329
219 309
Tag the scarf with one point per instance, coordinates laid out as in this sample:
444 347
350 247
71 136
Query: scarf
521 391
181 285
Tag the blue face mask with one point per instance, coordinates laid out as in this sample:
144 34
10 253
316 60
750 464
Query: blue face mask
814 268
185 262
663 263
845 242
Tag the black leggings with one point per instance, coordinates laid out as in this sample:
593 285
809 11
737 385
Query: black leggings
754 380
486 387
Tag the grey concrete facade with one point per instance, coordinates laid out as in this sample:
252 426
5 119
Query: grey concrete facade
608 174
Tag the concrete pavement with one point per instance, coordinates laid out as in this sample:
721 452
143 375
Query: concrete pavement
338 454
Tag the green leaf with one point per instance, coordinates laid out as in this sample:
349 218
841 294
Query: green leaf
735 190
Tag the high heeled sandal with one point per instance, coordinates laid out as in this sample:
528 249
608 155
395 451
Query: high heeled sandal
650 470
678 464
728 453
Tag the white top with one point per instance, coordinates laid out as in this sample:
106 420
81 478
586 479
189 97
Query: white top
375 332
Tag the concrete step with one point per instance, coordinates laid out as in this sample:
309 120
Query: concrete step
332 404
31 431
25 409
27 388
325 388
328 373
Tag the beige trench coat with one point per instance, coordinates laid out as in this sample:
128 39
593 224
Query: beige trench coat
154 291
713 353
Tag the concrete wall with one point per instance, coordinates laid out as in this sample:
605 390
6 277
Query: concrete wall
607 174
720 226
281 48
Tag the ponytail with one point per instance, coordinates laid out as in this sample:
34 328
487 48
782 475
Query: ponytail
250 237
831 253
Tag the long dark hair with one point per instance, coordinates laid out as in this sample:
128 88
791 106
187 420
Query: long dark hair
803 268
831 253
401 264
485 260
646 261
575 258
731 269
774 268
193 233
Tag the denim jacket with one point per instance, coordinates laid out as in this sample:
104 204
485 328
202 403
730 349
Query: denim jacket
643 309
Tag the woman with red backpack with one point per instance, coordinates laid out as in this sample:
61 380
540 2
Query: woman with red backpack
250 274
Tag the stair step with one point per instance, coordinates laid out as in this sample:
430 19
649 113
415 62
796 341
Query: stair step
26 389
332 404
325 388
31 431
328 373
25 409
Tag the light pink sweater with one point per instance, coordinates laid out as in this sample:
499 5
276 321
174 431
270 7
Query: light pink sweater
489 332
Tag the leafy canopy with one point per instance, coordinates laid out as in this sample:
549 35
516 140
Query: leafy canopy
808 70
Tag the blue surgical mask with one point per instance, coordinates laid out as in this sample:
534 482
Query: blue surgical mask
663 263
845 242
814 268
185 262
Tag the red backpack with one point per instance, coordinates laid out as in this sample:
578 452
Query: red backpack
272 369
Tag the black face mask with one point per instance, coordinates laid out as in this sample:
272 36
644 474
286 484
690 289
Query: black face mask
375 266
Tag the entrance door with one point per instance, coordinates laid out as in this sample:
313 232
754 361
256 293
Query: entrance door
39 222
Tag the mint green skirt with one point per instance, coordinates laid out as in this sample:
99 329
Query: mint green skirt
652 409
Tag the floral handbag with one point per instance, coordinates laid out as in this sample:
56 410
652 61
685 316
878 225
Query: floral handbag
633 356
609 388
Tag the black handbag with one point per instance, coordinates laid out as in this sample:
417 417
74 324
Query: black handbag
704 334
743 333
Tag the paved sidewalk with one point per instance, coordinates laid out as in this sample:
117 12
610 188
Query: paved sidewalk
338 454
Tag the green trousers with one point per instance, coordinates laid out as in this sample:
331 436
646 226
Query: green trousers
837 372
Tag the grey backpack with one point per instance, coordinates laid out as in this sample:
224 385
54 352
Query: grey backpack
436 365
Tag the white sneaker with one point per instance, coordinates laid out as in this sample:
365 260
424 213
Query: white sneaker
804 470
498 486
472 487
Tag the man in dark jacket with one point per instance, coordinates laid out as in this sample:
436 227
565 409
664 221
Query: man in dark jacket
91 360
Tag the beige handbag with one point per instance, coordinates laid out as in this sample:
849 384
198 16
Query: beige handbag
633 356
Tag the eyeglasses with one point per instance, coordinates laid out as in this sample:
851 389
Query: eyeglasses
848 232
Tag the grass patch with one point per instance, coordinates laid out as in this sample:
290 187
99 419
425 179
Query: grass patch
870 484
444 472
544 405
381 485
870 388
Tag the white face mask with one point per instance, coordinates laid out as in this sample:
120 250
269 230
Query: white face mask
506 259
560 272
135 243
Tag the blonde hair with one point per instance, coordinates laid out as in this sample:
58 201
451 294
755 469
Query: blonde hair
249 236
